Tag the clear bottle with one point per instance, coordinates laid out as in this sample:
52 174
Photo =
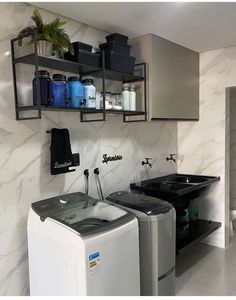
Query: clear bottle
98 104
113 100
108 100
132 98
125 97
117 103
101 100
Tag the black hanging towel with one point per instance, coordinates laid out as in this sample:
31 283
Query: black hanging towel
61 155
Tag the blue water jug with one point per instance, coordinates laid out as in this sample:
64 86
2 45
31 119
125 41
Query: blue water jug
75 92
45 85
59 90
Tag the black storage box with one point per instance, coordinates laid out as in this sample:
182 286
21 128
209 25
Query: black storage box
118 38
82 46
120 48
83 57
119 62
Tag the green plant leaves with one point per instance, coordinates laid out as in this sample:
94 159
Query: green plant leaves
51 32
38 20
29 30
56 24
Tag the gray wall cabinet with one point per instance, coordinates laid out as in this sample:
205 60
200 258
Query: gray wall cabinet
172 78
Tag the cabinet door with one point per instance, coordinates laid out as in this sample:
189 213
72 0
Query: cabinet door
173 78
175 81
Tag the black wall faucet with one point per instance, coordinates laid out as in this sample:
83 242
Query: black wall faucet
171 157
146 162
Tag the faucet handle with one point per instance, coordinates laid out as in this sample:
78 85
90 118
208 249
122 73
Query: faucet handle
147 159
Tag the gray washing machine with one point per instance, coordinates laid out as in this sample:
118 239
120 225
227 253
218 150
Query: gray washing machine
157 233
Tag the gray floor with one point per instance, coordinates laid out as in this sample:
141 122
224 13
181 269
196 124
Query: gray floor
207 271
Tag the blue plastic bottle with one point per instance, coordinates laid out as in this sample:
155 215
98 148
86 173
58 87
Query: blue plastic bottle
59 90
75 92
45 84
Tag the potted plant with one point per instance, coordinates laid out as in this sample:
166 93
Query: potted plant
51 38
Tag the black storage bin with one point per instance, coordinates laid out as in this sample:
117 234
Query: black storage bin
118 38
82 46
84 57
122 49
119 62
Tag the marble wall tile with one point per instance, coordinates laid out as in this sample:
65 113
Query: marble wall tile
204 146
232 134
25 154
231 151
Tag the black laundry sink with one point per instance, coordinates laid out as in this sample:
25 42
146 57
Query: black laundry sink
178 189
187 178
166 185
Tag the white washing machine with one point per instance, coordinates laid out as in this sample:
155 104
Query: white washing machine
157 233
82 251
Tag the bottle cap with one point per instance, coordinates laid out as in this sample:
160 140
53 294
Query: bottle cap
125 87
43 73
88 81
73 78
59 77
109 93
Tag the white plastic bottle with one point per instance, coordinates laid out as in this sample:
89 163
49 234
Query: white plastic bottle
89 93
132 98
125 97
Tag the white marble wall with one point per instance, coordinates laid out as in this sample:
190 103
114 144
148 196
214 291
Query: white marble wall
25 156
204 146
231 107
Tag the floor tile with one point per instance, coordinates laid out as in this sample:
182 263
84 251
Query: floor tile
206 270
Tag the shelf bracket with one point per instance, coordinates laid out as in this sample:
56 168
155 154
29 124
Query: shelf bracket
84 120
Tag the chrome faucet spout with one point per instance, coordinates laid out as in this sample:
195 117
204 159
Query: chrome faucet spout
171 157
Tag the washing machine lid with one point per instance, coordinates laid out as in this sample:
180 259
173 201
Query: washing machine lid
146 204
61 204
70 210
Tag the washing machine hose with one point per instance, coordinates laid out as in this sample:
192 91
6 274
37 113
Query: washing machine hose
86 174
96 172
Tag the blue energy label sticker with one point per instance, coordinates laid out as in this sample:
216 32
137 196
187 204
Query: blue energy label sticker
94 262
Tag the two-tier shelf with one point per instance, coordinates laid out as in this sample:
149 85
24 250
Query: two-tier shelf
83 70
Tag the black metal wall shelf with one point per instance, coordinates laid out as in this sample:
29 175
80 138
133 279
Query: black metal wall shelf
195 232
74 67
83 70
55 63
85 110
117 76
